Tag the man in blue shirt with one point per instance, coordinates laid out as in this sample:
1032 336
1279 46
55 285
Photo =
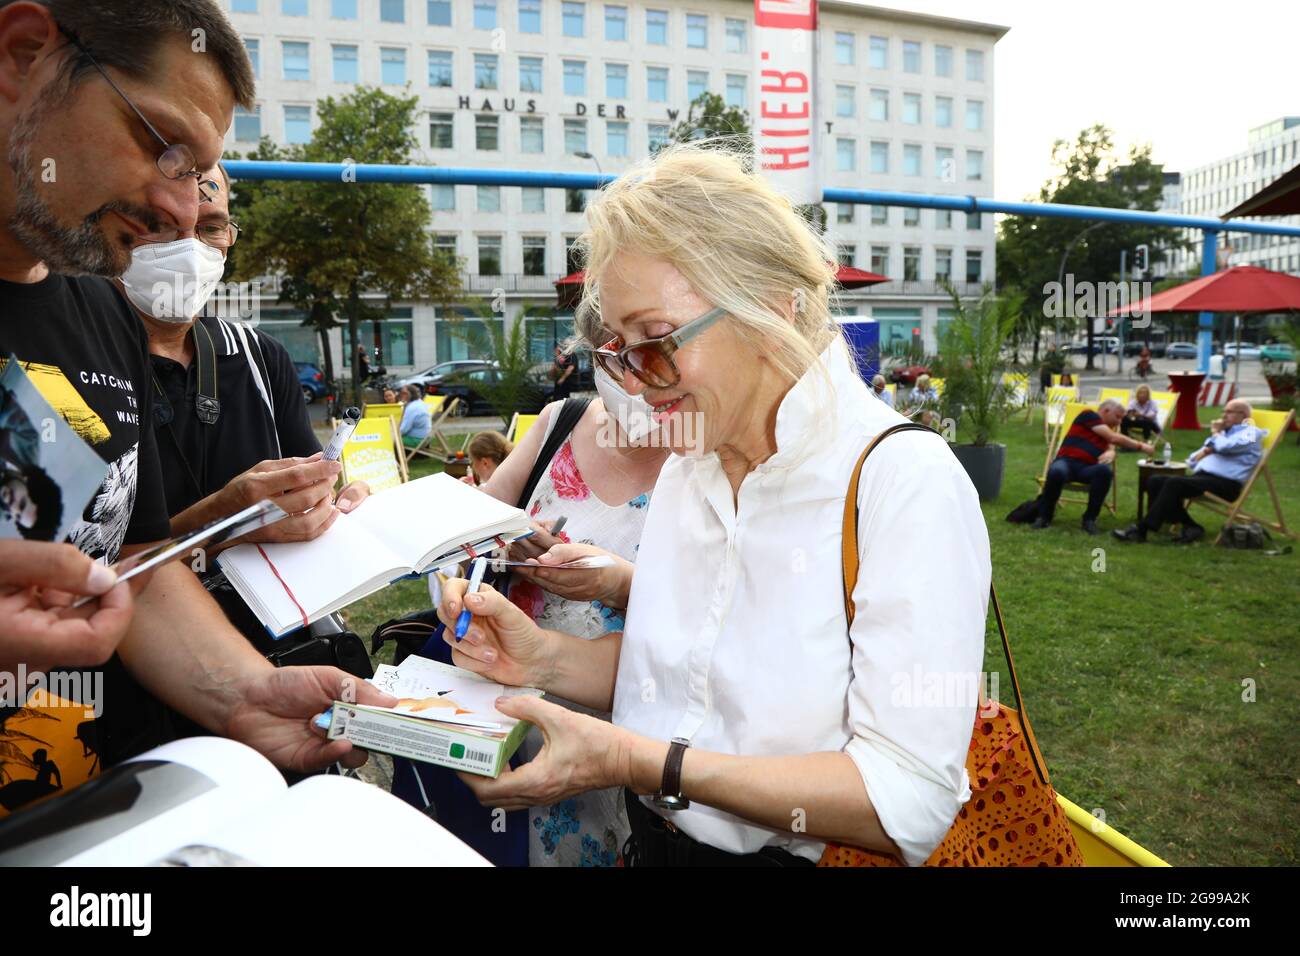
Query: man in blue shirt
1221 467
416 420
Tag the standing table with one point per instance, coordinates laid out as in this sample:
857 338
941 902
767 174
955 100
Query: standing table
1188 387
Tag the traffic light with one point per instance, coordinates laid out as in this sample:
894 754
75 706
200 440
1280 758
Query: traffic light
1141 257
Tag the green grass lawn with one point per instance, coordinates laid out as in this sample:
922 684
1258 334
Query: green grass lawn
1133 677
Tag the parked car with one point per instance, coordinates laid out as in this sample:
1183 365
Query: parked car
467 385
907 374
311 381
1180 350
1135 347
1248 350
441 370
1277 352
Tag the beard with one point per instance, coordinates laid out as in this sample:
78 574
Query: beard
84 249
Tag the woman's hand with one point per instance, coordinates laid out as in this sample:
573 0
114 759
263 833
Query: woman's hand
502 642
579 754
351 495
609 586
536 544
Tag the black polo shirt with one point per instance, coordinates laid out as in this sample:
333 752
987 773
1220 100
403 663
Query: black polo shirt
262 416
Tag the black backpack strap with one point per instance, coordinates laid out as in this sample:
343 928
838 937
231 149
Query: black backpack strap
566 419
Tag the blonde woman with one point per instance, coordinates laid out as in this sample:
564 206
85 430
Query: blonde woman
747 713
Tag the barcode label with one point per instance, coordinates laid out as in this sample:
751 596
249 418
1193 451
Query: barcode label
478 756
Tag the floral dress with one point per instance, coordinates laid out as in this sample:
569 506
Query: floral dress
589 829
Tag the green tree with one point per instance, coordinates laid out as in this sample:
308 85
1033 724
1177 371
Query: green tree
337 242
516 387
971 361
710 118
1088 173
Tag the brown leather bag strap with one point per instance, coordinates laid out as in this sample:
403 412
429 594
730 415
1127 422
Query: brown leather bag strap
849 550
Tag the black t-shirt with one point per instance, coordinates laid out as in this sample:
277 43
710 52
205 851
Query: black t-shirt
256 422
86 353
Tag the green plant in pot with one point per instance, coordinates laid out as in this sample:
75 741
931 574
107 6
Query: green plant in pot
971 362
1282 378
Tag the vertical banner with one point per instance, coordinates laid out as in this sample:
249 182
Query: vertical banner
785 115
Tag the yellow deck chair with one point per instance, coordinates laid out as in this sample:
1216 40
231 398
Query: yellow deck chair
1017 386
381 409
1054 410
1070 411
519 426
1165 403
1103 845
1276 424
440 410
1121 395
937 385
373 454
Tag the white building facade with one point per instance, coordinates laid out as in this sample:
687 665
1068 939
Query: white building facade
905 102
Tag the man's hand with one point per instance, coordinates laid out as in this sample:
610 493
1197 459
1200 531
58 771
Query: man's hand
304 487
1216 426
1106 457
351 495
38 580
275 710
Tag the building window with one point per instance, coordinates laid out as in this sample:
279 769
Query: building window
911 159
945 166
942 60
697 84
533 199
737 88
975 66
254 48
489 198
912 109
845 155
737 36
487 132
615 23
534 255
343 9
532 135
489 255
439 13
391 11
911 56
485 14
297 60
943 265
444 243
345 64
878 105
844 49
656 84
911 217
248 125
530 16
616 138
444 197
575 78
575 136
485 71
879 53
244 6
974 114
943 219
616 81
844 212
844 105
530 74
847 254
943 112
697 31
297 124
293 8
573 17
973 221
656 27
911 263
974 265
441 131
879 156
880 215
974 164
392 62
880 260
575 200
656 136
439 68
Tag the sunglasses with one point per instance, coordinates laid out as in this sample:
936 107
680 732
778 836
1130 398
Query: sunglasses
651 360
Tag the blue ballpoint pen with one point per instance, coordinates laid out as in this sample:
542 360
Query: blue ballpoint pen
475 579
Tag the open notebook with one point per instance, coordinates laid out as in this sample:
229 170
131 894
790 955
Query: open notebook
411 529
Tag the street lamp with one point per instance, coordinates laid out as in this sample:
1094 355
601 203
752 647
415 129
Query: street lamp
586 155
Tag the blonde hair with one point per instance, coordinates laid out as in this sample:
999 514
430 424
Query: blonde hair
923 381
491 445
738 242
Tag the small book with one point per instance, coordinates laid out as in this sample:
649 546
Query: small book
445 715
415 528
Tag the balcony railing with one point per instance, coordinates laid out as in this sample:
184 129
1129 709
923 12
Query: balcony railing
511 282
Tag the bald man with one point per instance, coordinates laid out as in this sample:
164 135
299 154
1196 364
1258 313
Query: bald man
1220 466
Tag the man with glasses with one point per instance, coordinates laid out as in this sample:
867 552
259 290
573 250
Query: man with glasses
108 113
1219 466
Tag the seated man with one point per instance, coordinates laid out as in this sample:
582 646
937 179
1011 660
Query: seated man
878 389
1085 456
1142 414
416 420
1220 466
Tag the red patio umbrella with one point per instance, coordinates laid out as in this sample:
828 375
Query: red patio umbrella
1279 198
568 290
1239 289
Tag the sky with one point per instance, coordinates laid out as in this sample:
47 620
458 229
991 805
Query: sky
1191 78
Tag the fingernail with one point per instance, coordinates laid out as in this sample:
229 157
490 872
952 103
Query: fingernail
101 578
344 505
474 600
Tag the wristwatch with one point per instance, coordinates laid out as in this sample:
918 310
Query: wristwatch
670 795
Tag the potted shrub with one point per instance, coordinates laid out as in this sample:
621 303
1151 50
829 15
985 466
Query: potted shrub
971 362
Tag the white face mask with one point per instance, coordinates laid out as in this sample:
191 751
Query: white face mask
172 281
631 412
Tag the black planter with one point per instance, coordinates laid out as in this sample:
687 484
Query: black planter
984 464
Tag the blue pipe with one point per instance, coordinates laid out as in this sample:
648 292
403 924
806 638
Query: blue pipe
1205 324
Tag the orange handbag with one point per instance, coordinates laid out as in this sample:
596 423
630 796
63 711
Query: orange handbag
1012 817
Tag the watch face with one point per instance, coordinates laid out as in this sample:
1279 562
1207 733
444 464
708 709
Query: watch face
668 802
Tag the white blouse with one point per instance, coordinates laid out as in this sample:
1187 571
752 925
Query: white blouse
736 635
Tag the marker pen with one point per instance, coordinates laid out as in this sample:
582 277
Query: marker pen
559 525
342 433
475 579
